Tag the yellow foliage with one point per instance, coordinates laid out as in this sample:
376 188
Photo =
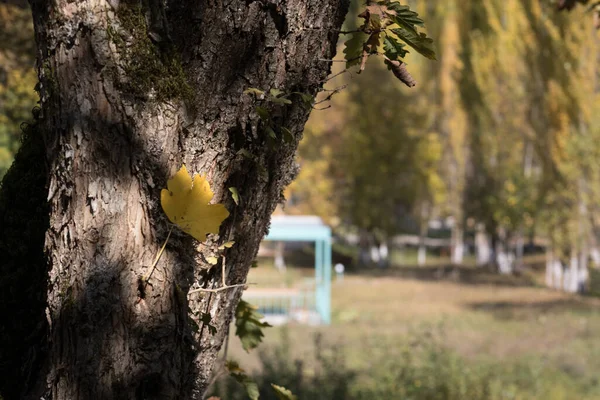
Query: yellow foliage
186 204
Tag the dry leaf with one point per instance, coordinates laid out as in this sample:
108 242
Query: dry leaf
186 204
399 70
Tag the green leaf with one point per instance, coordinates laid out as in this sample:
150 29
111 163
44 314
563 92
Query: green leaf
276 96
242 378
271 132
279 100
307 99
405 17
248 325
263 113
353 48
254 264
275 92
283 393
288 137
393 48
418 41
254 91
235 194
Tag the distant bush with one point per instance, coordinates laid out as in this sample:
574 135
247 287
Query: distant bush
417 369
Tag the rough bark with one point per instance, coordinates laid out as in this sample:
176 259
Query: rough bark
129 92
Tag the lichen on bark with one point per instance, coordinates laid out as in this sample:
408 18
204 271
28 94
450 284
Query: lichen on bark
147 69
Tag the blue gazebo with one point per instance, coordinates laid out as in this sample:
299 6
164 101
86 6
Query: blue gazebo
286 228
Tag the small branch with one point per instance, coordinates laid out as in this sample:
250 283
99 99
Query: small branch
217 290
162 249
223 279
329 96
328 60
335 75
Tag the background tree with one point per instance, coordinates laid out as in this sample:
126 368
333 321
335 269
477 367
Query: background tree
17 76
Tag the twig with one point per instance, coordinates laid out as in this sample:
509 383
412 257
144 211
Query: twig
217 290
335 75
329 60
162 249
330 95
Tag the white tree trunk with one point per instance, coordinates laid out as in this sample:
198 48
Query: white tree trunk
483 247
557 274
549 267
422 255
571 277
505 260
279 260
458 246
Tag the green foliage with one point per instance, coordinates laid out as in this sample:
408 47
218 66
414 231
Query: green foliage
276 133
393 49
282 393
418 41
240 376
235 195
391 21
353 48
413 367
248 325
17 78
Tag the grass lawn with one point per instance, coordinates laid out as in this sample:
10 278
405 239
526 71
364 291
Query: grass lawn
488 322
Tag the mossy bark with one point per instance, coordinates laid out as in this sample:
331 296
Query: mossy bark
130 91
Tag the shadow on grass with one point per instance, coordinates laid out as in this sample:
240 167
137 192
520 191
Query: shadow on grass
522 309
458 274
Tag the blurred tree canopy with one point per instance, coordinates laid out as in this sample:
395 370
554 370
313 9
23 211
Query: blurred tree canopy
502 132
17 77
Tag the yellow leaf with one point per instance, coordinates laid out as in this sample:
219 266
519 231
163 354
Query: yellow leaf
186 204
212 260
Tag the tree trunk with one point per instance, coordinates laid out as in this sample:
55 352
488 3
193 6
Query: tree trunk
129 92
505 259
483 247
423 229
550 260
457 243
279 256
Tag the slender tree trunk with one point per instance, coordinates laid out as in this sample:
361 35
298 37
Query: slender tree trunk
549 266
423 228
483 247
583 273
505 259
130 91
457 243
519 249
279 256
